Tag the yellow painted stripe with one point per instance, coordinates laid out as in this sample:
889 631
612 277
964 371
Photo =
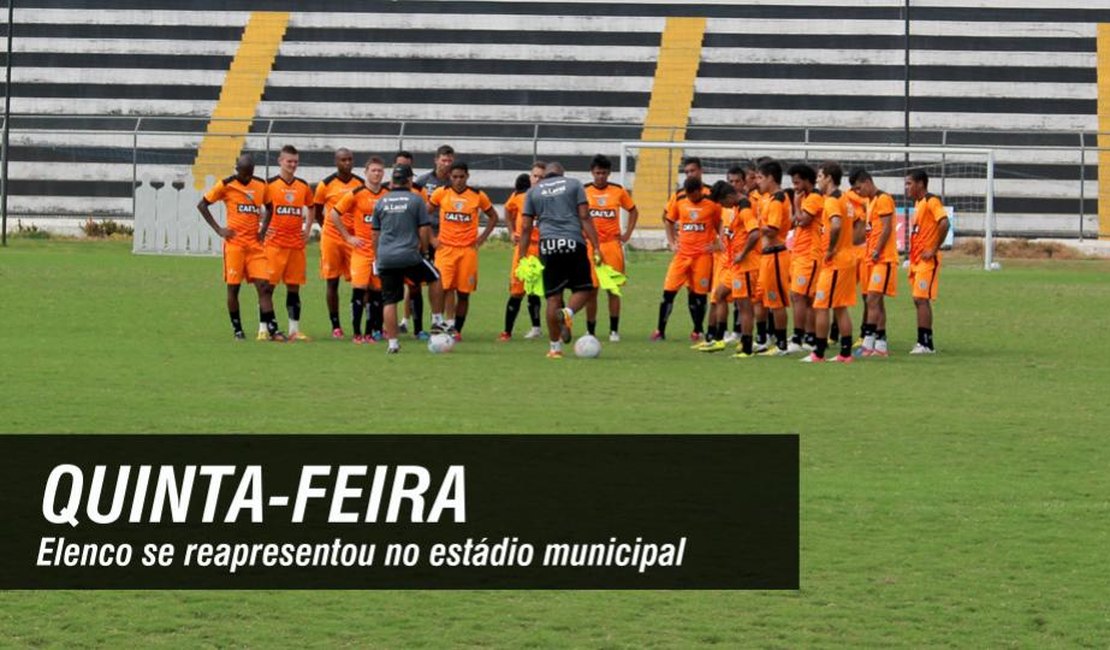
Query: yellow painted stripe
240 95
672 95
1104 131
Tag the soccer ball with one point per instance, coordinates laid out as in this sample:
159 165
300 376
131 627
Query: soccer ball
440 343
587 347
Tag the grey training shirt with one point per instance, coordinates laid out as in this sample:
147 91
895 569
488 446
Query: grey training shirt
554 202
429 182
398 217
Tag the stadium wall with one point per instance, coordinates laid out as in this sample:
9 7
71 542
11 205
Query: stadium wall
1017 73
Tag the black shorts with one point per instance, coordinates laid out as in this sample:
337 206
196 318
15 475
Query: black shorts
566 265
393 280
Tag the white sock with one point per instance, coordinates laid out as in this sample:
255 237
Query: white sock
393 344
869 342
880 345
437 319
405 323
556 346
294 326
569 311
262 328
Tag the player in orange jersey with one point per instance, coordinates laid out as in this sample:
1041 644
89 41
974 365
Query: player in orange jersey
513 206
335 253
606 201
880 262
460 208
693 233
244 196
287 226
930 227
774 271
359 205
836 283
808 208
726 196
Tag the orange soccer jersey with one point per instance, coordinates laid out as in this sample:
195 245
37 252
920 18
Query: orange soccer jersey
458 214
697 223
328 193
244 207
880 206
360 205
605 209
741 225
514 206
844 255
927 215
807 238
287 201
774 212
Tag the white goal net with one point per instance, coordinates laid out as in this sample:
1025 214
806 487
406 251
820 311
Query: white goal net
962 177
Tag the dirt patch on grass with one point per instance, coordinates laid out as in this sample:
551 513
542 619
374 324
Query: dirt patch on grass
1023 249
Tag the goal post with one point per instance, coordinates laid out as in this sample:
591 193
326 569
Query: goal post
963 177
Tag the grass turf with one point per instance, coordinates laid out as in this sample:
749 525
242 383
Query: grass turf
959 499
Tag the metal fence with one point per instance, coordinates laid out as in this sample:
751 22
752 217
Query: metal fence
132 149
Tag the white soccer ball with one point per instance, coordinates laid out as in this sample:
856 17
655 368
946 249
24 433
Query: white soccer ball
587 347
440 343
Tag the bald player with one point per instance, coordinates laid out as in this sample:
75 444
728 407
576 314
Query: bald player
243 195
335 252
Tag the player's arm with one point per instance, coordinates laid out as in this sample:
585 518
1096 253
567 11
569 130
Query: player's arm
510 221
267 215
588 228
859 232
633 217
942 233
884 237
318 214
834 236
525 235
202 207
491 222
306 214
749 246
425 244
337 221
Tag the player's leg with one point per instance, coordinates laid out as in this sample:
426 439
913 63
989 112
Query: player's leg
266 306
233 311
358 310
416 294
332 299
612 253
512 310
462 308
844 319
699 280
404 326
614 317
393 292
872 309
675 279
923 278
591 313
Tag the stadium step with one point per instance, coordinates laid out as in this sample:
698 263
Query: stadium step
239 97
672 96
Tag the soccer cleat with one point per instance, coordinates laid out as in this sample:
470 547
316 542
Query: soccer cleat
695 337
455 334
393 350
240 336
568 326
554 354
424 336
657 336
504 337
534 333
278 337
858 343
357 340
921 349
774 352
740 354
806 347
614 337
700 344
840 359
262 336
299 336
731 337
337 333
794 348
813 358
437 328
715 346
760 348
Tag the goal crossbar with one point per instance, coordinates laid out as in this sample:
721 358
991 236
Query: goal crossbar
988 156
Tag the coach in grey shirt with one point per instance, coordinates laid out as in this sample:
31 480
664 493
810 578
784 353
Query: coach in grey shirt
402 239
558 204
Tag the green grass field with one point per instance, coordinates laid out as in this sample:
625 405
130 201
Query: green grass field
960 499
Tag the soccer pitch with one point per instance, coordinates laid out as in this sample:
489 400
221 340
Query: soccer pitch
960 499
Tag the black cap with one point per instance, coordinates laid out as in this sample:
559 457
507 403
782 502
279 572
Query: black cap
402 173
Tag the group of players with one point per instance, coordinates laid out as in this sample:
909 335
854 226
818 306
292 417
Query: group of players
729 242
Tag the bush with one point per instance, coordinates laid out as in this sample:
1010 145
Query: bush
29 232
106 228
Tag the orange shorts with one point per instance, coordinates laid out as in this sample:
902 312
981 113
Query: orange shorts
803 277
244 263
362 271
722 274
516 287
612 253
691 271
924 278
458 268
286 265
335 258
863 268
836 287
774 279
744 284
882 277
